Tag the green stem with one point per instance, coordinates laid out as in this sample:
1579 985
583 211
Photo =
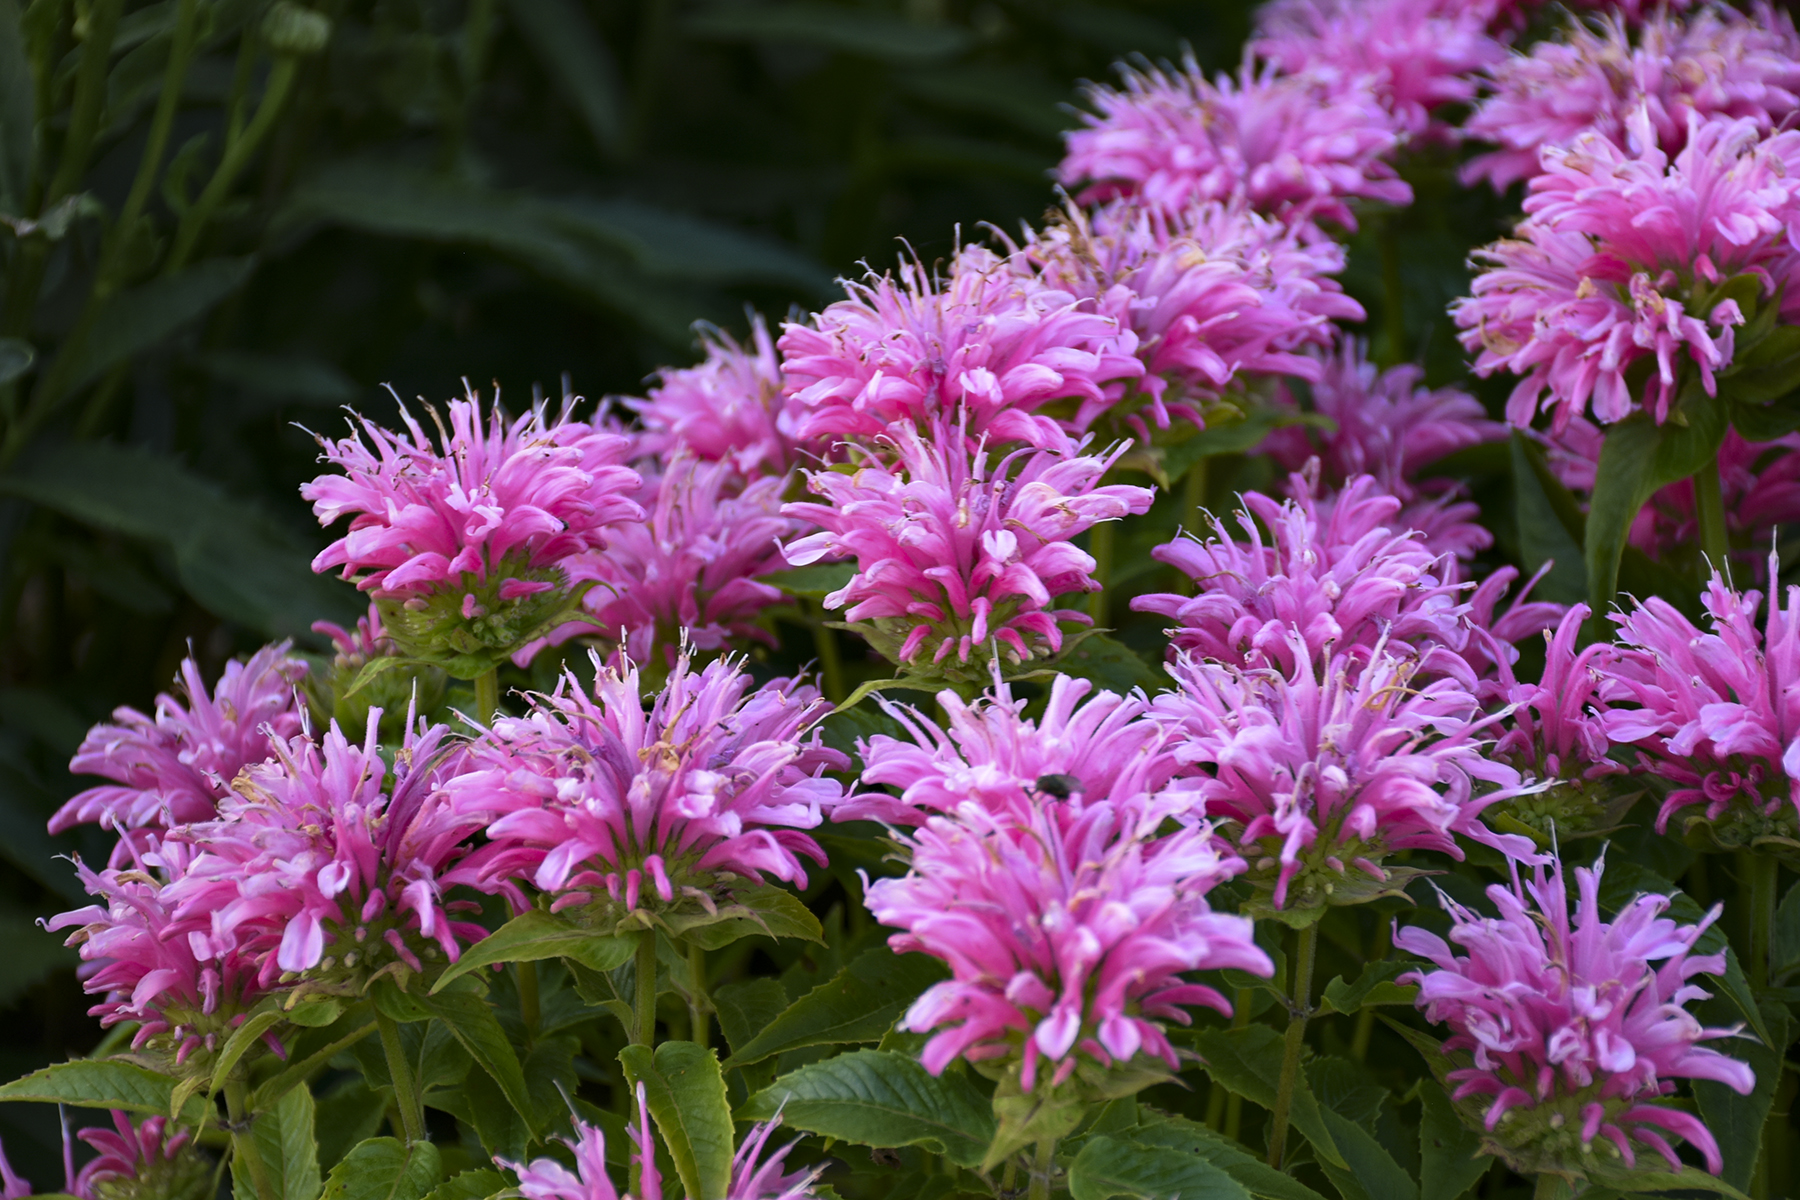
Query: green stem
1549 1187
406 1091
1393 300
1762 872
1043 1166
1234 1103
698 1026
528 999
1709 509
1100 545
645 1008
181 49
831 661
487 695
243 1141
1299 1008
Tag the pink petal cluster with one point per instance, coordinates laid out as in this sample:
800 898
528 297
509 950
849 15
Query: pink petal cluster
1554 728
1332 766
1416 55
147 1153
954 550
596 797
1715 712
1298 147
983 344
1067 928
1565 1017
1718 62
425 518
989 753
729 408
1618 245
175 767
327 858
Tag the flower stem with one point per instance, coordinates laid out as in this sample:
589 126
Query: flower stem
831 661
1100 545
1762 873
487 695
1709 509
1549 1187
1043 1165
698 1030
528 998
406 1092
243 1140
1393 299
645 1033
1299 1008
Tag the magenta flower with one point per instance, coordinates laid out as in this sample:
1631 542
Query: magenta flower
1716 713
727 409
593 799
953 553
1571 1034
1067 929
1417 55
982 344
1324 770
995 757
322 866
141 1161
175 767
1616 250
1719 62
1298 147
12 1187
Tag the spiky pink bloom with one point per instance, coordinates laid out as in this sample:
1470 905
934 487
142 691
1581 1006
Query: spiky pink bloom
1715 712
147 1153
325 857
175 767
1298 147
1418 55
1565 1018
593 798
1719 62
1066 927
982 342
726 409
1327 768
991 754
953 549
1617 247
1212 292
425 519
1554 728
12 1187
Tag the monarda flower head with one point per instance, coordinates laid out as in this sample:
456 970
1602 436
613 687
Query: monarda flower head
328 867
142 1160
631 814
175 767
956 553
333 686
1715 712
464 543
1324 770
1298 147
982 345
1718 62
726 409
1563 1033
1067 929
1620 261
1082 748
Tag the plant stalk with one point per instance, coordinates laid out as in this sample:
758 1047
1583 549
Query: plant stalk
487 695
645 1008
1550 1187
1762 873
1299 1008
1393 299
1043 1165
1100 545
1709 509
243 1141
406 1090
831 660
699 1030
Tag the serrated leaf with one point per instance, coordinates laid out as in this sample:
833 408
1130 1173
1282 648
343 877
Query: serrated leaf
284 1141
384 1168
239 1043
858 1004
1450 1157
317 1013
345 1117
1657 1180
375 668
1372 1173
1110 1166
473 1022
95 1083
478 1184
768 911
884 1099
811 583
536 935
1247 1062
1737 1122
747 1007
686 1093
1375 986
578 62
1258 1177
1110 663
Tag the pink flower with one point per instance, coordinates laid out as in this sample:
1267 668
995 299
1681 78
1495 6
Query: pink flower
983 344
1327 769
993 756
144 1159
1418 55
1617 247
1066 927
1719 62
1294 146
176 767
323 865
727 409
1572 1033
11 1186
594 799
953 553
1716 713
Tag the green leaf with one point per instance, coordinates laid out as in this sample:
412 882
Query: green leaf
768 911
536 935
1372 1173
284 1141
1451 1161
1551 525
239 1043
1258 1177
1784 952
384 1168
1768 371
473 1022
302 1070
1736 1121
1375 986
317 1013
346 1116
861 32
478 1184
686 1092
16 354
1231 437
811 583
746 1008
1247 1062
1109 1166
297 377
145 316
1109 663
1659 1179
884 1099
858 1004
18 114
580 65
869 687
1023 99
96 1083
29 954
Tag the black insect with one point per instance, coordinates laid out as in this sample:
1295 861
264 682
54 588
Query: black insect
1059 786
